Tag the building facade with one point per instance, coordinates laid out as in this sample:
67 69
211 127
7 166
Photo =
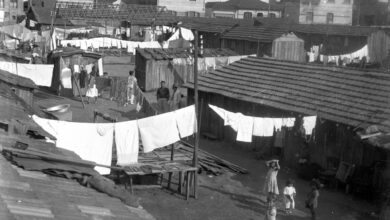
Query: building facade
192 8
326 12
10 10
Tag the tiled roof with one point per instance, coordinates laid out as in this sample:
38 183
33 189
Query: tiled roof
254 33
349 96
34 195
213 25
243 4
41 10
343 30
171 53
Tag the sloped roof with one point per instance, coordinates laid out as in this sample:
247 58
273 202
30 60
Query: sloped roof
35 195
16 80
262 34
233 5
41 10
213 25
329 29
172 53
344 95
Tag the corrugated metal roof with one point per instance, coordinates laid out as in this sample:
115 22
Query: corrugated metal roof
171 53
349 96
254 33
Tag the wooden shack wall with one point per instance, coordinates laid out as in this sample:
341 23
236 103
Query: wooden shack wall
329 139
211 40
244 47
378 46
289 50
150 73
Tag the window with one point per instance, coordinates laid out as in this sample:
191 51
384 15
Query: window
1 3
247 15
329 18
272 15
309 17
305 2
13 17
348 2
259 15
14 3
43 4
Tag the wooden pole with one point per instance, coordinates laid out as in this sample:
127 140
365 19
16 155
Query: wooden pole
196 146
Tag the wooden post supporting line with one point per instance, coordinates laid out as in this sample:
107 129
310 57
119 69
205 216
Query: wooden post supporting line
196 146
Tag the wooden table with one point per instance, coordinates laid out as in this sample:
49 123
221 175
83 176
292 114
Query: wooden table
163 168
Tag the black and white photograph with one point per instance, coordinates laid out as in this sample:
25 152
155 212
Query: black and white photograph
195 109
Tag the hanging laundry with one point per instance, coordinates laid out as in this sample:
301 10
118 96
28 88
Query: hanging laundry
186 121
100 66
245 128
309 124
91 141
127 142
219 111
66 78
288 122
40 74
210 63
158 131
263 127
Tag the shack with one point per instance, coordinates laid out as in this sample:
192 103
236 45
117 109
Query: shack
289 47
23 87
252 39
174 65
212 29
69 57
345 101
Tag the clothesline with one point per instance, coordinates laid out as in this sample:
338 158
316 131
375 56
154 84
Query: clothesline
94 141
102 42
248 126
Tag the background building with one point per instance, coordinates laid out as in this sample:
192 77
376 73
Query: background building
326 12
243 9
10 10
191 8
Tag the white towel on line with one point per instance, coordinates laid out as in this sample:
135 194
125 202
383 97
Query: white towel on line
91 141
127 142
186 121
263 127
309 124
245 128
158 131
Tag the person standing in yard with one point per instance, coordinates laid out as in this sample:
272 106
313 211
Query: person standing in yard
289 193
92 91
131 83
271 183
162 98
312 198
175 100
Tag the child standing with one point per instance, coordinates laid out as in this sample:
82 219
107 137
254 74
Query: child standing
312 198
289 193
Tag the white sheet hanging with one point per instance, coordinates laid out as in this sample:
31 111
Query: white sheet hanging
186 121
127 142
158 131
91 141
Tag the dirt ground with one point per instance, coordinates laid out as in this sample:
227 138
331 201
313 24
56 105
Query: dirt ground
239 196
